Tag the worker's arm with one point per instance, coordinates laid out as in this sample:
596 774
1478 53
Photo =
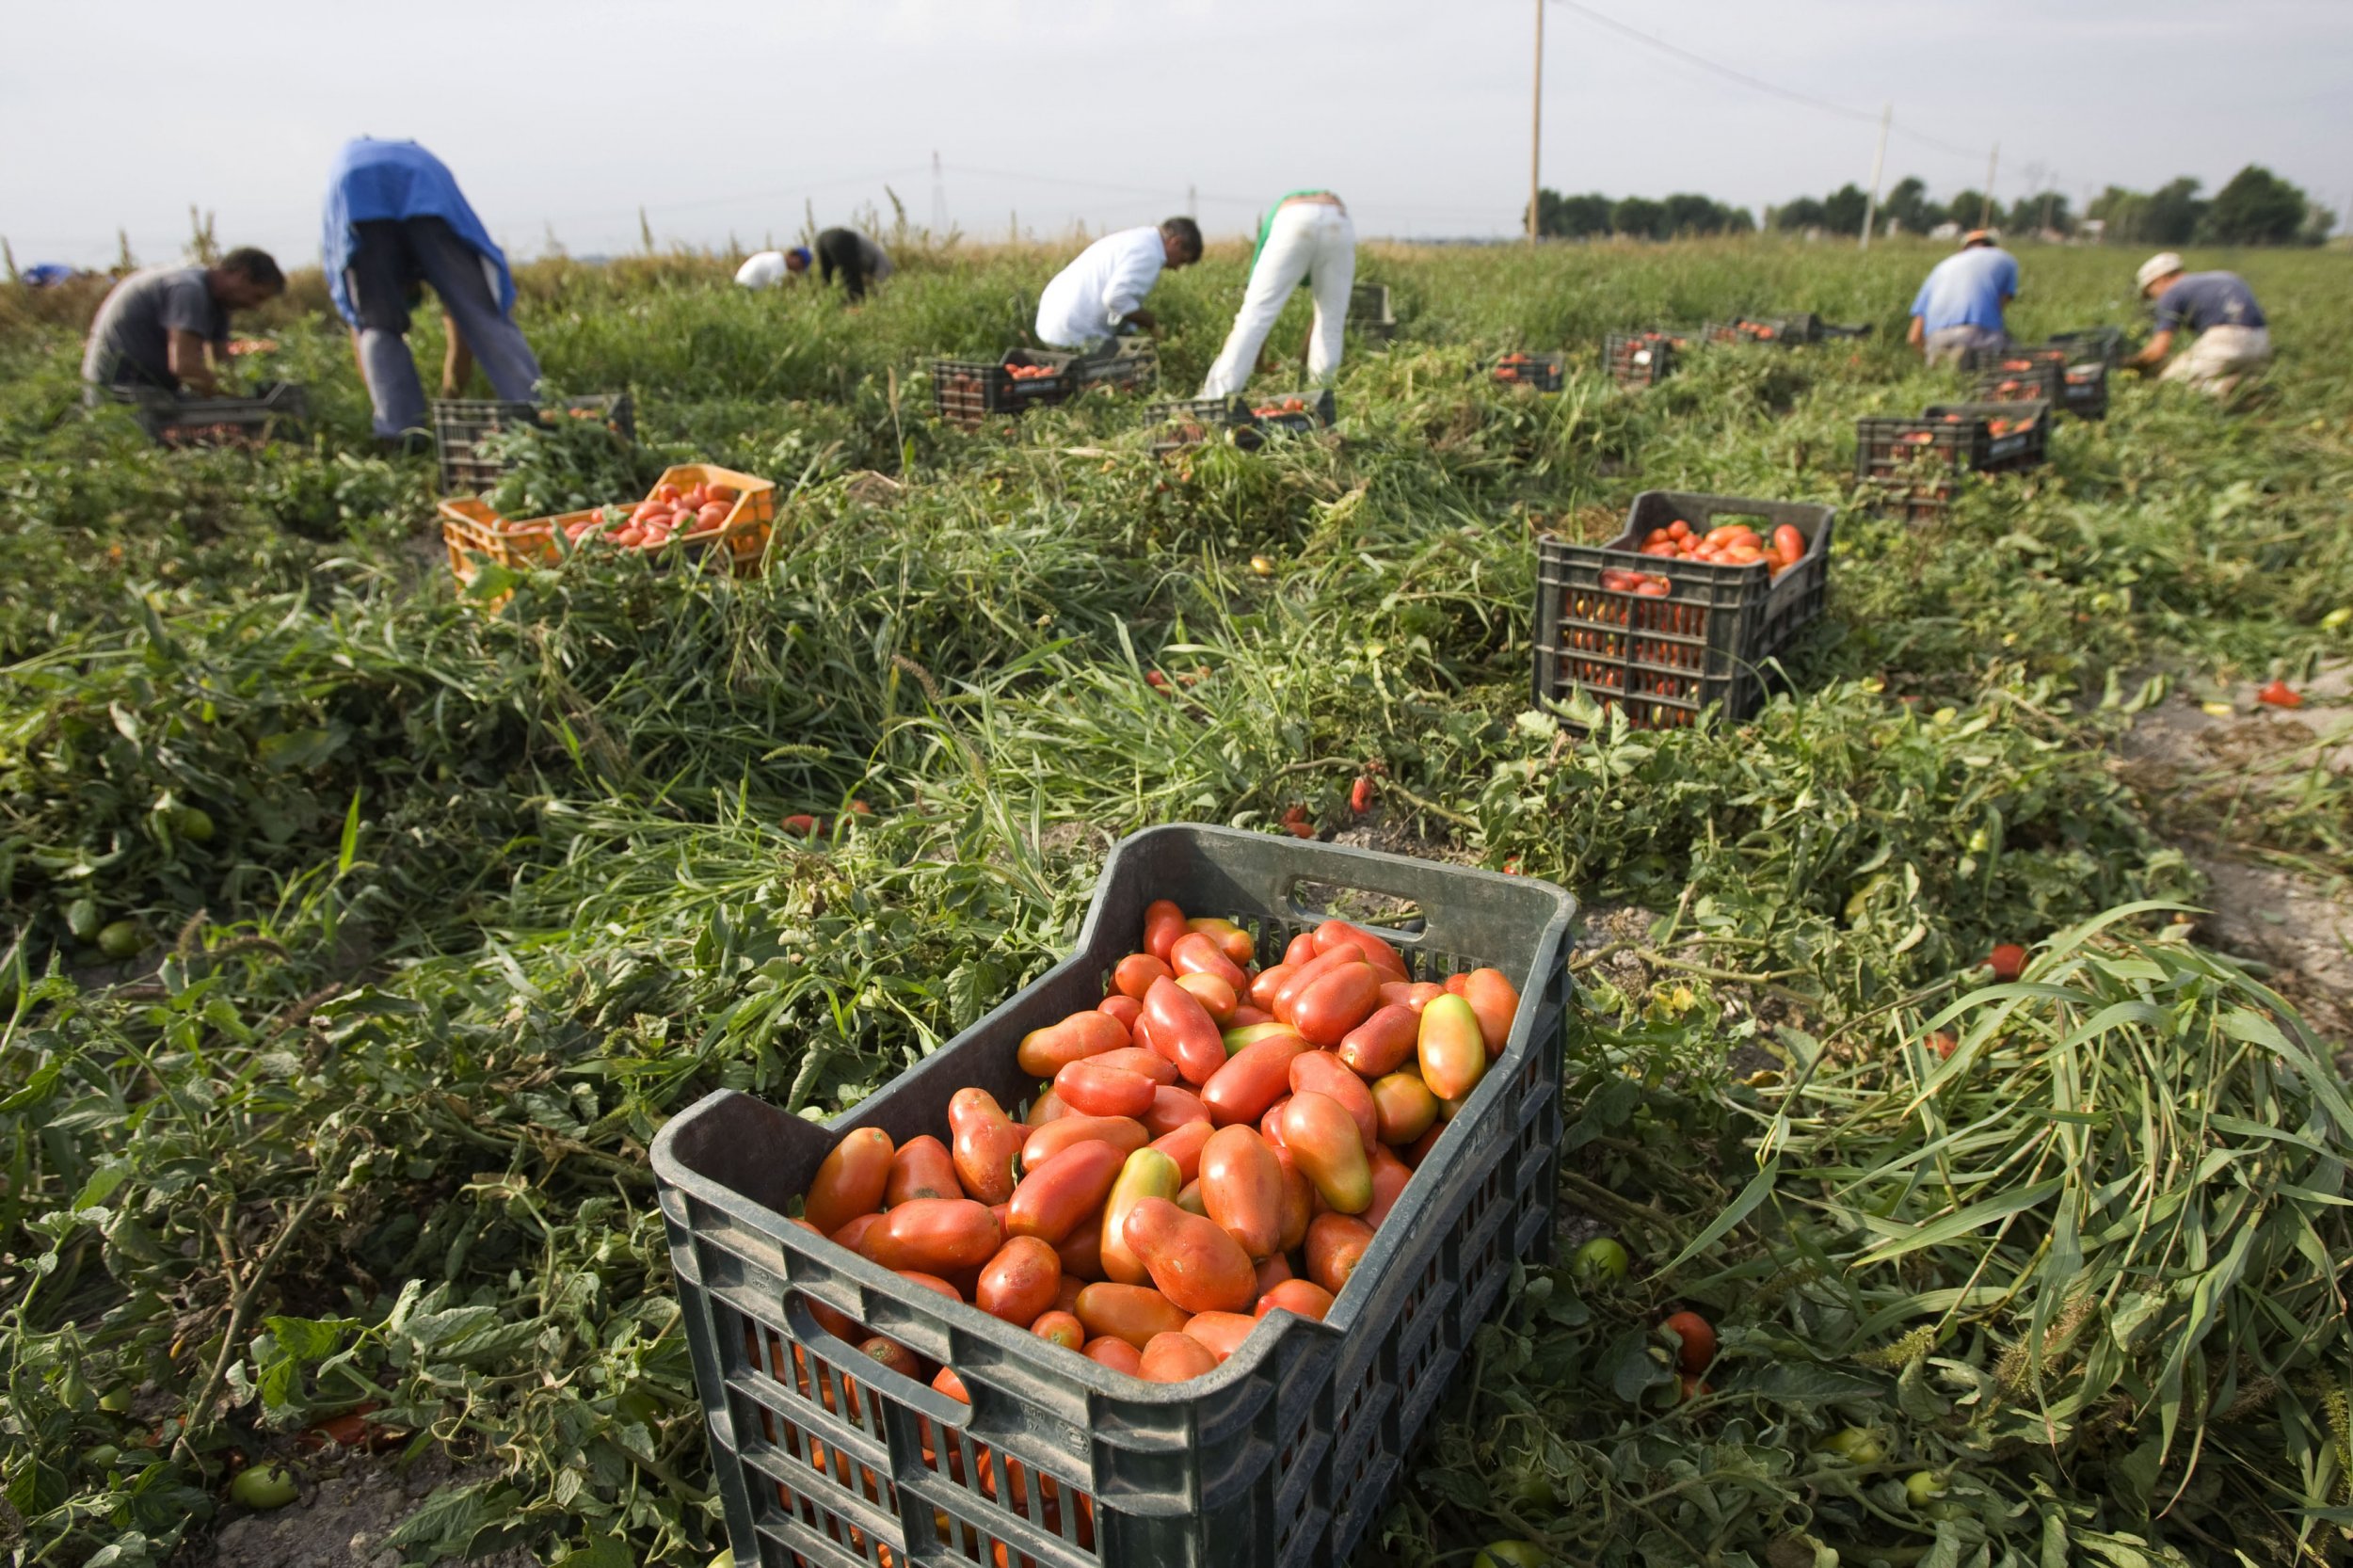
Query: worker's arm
184 353
1919 333
1123 295
457 361
2153 354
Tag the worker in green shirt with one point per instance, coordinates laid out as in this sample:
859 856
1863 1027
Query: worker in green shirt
1307 236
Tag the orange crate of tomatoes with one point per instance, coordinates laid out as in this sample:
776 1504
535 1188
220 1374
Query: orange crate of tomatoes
1677 613
1066 1281
693 506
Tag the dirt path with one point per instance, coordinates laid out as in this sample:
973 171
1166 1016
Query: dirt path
2211 765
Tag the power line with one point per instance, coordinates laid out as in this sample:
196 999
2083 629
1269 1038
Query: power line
1755 83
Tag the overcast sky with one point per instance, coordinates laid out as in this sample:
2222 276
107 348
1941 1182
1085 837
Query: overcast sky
723 116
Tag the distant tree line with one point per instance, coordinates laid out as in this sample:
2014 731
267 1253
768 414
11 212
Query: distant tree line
2257 207
1594 216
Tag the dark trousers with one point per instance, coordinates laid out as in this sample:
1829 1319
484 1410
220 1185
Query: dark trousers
839 251
393 258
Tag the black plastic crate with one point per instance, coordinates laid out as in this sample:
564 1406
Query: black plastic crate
1665 659
1283 1456
1520 368
1948 439
1294 413
1826 330
279 409
1129 365
1773 332
1643 359
1369 311
966 391
2005 436
2084 390
2023 376
459 422
2087 344
1239 420
1926 498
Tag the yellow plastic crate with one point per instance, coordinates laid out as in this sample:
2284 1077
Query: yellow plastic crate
474 534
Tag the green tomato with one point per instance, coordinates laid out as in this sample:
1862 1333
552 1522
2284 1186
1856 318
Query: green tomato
1856 1444
1530 1487
121 939
194 823
1511 1554
1599 1261
2336 618
101 1456
81 918
725 1560
1923 1486
117 1399
1947 1511
264 1486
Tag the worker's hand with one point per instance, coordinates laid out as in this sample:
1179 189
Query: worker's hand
1145 320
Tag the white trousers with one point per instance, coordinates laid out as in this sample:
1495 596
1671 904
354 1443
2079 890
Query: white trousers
2219 357
1310 240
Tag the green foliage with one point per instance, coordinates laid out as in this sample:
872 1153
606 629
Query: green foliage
493 886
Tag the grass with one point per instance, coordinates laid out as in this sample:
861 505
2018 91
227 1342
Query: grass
490 893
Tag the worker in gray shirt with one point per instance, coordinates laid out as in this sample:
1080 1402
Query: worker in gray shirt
2232 338
167 329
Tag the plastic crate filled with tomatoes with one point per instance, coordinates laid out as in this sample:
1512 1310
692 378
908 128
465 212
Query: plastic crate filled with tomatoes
1167 1258
1677 613
1645 358
965 392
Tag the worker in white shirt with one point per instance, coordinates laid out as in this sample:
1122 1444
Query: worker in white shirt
1101 294
1308 235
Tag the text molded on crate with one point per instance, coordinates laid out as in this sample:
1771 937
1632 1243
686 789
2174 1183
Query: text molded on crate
1284 1454
1664 656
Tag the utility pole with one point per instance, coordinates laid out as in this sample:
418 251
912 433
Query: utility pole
939 197
1193 204
1879 166
1536 133
1985 205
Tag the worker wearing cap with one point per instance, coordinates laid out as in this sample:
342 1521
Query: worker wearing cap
395 221
1101 292
1961 303
2231 337
1307 236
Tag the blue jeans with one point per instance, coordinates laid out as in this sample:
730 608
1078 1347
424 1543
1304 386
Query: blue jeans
393 257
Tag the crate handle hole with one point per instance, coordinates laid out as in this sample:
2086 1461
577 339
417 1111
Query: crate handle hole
1377 911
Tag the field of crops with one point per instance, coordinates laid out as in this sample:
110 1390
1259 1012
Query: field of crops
438 911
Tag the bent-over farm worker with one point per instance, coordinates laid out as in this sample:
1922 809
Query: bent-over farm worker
765 269
1959 304
167 328
1308 235
2231 336
397 219
858 258
1102 292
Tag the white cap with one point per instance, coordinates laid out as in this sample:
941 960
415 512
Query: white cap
2163 265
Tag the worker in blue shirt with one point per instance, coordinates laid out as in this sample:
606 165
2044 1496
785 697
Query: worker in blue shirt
1959 306
2231 335
396 221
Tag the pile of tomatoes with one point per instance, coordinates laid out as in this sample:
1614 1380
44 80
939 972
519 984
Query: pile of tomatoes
1031 373
1287 406
664 515
1212 1143
1733 544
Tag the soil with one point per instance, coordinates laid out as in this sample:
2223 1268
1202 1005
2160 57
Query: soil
2193 765
349 1506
